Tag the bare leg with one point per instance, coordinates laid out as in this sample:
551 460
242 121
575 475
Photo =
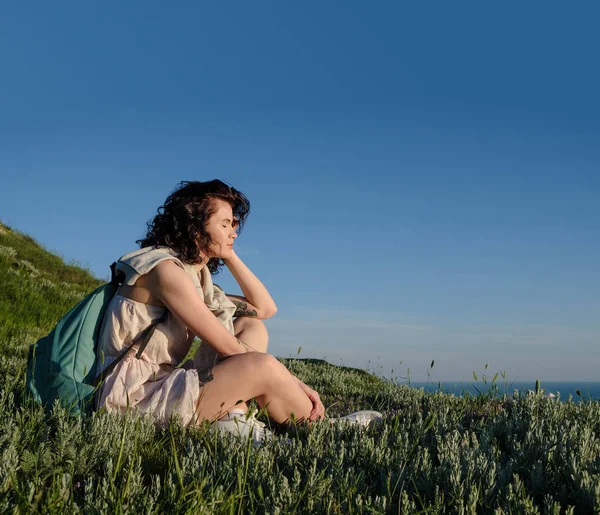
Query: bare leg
253 375
253 332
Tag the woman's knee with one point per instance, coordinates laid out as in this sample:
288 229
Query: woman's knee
254 369
261 329
259 326
269 367
252 331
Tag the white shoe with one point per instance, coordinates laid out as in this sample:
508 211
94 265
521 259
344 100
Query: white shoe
362 418
239 423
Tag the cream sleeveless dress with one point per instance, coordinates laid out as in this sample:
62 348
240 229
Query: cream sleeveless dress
152 383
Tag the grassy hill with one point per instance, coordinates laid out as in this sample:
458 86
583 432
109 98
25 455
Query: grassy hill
433 453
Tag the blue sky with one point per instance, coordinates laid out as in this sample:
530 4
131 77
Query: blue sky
424 178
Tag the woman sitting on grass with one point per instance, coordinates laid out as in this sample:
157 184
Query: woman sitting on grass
168 280
193 236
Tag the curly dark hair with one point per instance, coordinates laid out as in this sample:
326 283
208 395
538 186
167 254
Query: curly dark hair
181 221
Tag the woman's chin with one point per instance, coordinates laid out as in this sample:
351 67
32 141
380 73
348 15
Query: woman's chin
223 255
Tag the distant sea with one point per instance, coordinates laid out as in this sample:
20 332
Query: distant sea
587 390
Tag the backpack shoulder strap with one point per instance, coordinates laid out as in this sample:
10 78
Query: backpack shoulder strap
116 277
143 337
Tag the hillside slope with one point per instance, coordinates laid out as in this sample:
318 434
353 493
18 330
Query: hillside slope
37 287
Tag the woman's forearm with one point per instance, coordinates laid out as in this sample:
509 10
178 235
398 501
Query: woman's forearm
253 289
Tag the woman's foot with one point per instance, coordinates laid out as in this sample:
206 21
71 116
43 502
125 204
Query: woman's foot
239 423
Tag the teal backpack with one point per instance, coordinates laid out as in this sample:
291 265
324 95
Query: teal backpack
62 365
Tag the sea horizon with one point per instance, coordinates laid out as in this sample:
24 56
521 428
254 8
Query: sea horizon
560 390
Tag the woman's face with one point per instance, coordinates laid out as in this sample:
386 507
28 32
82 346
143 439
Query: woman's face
221 227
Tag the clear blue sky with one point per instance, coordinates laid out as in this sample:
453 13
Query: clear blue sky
424 177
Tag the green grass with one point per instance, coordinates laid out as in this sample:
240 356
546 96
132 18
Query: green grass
432 453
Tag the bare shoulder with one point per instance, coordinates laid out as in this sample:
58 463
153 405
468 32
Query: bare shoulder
165 279
170 279
167 268
167 273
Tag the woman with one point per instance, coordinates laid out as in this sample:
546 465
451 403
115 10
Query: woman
168 280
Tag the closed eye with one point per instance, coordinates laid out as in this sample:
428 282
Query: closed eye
234 224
